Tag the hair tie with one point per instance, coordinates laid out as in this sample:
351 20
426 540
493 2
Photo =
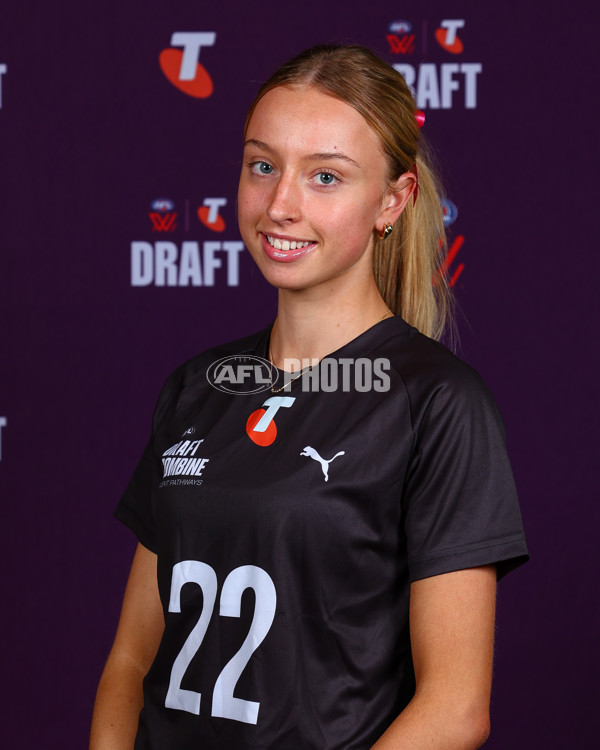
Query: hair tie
420 118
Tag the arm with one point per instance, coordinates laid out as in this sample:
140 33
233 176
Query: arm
452 635
119 698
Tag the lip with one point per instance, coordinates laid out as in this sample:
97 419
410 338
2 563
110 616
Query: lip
284 256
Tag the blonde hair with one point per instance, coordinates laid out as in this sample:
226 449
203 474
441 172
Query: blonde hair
406 266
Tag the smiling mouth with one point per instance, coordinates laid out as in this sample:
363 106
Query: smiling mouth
284 245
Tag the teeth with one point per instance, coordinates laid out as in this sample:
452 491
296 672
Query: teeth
286 244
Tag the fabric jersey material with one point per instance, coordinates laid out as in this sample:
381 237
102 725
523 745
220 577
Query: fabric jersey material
286 547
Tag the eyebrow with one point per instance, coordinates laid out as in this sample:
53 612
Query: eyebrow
321 156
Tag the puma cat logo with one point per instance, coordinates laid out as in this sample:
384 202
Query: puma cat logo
312 453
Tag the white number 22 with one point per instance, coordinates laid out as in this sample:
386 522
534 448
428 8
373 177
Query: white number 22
224 704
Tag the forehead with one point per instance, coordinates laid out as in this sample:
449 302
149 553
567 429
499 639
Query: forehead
305 119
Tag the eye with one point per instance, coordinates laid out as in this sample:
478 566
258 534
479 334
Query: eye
326 178
260 167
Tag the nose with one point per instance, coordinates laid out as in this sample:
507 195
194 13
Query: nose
284 205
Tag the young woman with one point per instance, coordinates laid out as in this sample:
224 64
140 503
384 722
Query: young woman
317 561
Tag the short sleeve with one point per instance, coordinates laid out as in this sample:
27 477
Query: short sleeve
136 506
460 503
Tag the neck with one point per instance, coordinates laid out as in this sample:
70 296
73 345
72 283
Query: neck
314 323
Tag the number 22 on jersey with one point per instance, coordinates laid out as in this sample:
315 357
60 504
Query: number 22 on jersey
224 703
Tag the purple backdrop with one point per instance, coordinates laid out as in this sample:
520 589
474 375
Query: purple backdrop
103 291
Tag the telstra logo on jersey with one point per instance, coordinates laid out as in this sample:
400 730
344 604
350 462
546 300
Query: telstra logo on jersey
261 426
182 67
447 37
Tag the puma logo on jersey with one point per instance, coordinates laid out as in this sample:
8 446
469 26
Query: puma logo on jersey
312 453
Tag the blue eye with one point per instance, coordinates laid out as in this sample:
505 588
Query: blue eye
261 167
326 178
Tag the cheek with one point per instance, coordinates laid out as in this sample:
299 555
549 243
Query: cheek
245 208
352 219
250 201
249 214
242 193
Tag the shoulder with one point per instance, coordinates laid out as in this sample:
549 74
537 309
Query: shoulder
435 380
415 356
191 375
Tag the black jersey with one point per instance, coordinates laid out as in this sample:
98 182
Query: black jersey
288 527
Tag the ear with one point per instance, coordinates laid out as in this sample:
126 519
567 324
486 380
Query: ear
395 199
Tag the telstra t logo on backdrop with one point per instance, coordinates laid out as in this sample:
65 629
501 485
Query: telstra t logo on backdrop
182 67
447 37
209 215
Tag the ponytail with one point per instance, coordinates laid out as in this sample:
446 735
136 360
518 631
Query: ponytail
407 265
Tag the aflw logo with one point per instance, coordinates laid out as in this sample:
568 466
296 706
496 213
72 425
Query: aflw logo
162 216
182 67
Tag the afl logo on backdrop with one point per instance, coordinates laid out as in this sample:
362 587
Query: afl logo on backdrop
400 27
449 212
183 68
162 204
